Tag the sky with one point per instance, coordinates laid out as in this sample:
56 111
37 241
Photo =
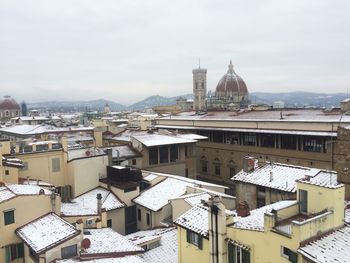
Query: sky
127 50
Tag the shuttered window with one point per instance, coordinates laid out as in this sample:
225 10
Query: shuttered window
9 217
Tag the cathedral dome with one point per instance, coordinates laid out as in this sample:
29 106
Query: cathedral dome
7 103
231 83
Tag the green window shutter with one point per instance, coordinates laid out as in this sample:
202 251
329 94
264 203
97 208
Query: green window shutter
188 233
245 256
230 252
20 250
200 242
9 217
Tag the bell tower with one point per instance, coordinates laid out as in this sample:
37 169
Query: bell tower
199 88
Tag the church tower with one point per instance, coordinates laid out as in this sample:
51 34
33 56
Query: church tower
199 88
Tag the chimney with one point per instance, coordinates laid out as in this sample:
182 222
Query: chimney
53 200
110 156
217 229
248 164
99 203
243 209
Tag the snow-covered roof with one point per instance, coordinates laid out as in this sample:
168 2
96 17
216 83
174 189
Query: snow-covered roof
167 251
12 190
86 204
324 179
255 221
127 259
159 195
192 136
150 177
158 139
40 129
122 151
334 247
195 219
106 240
347 215
282 177
196 199
45 232
84 153
12 162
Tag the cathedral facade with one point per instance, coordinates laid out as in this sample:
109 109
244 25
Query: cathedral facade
231 91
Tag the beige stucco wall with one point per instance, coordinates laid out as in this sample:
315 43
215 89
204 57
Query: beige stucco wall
179 206
40 167
12 177
118 220
84 174
188 253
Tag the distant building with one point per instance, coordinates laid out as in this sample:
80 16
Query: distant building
231 92
9 108
278 104
24 108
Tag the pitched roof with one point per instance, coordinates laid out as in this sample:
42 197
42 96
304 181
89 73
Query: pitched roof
9 191
159 195
195 219
284 177
334 247
255 221
46 232
107 241
127 259
86 204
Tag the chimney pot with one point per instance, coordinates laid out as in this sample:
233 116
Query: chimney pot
243 209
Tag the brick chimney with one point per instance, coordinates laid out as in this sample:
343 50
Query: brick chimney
248 164
110 156
243 209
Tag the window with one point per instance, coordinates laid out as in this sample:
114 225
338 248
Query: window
267 140
303 201
139 214
13 252
232 138
42 147
249 139
69 252
217 165
148 219
7 172
186 172
109 222
194 239
289 254
232 168
133 161
186 151
218 136
9 217
204 164
313 144
260 196
56 146
163 154
153 155
174 153
237 254
56 164
288 142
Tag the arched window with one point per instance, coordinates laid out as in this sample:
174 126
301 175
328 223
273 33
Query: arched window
7 113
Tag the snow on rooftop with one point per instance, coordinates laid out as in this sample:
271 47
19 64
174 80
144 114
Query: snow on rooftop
86 204
282 176
192 136
127 259
324 179
196 199
158 139
45 232
39 129
106 240
122 151
347 216
84 153
5 194
159 195
167 251
255 221
334 247
195 219
150 177
20 189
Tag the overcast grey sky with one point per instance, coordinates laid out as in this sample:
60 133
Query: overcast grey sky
126 50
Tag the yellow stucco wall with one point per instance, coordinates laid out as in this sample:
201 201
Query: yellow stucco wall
188 253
